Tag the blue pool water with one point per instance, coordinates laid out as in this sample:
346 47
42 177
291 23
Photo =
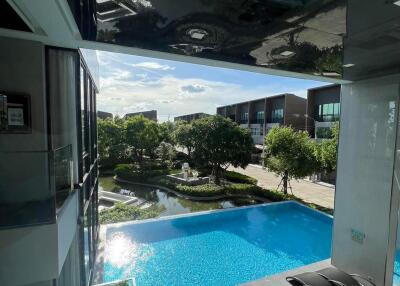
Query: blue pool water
219 248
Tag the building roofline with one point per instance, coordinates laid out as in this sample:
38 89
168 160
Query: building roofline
192 114
263 98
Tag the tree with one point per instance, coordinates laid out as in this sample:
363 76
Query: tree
166 132
326 151
142 135
289 154
166 152
112 146
219 142
184 136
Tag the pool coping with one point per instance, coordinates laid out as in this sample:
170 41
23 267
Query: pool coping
99 264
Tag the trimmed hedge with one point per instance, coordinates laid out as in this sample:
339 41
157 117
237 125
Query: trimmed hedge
131 172
205 190
236 177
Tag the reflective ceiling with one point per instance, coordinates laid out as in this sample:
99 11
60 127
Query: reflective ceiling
294 35
351 39
9 19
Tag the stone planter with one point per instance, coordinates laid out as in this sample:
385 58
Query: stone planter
191 181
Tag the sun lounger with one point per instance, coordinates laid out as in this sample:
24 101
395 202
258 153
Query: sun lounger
330 276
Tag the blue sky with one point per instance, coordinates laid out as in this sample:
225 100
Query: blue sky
131 83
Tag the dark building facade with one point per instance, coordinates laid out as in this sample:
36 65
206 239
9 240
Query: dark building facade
151 114
262 114
104 115
190 117
323 110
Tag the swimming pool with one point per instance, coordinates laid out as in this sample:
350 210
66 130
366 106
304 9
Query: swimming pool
225 247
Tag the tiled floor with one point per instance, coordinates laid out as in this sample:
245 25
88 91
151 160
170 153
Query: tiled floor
280 279
307 191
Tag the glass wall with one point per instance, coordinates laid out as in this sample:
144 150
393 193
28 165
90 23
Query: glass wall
277 116
259 116
327 112
244 117
89 174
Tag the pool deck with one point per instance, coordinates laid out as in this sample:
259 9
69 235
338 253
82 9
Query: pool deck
280 278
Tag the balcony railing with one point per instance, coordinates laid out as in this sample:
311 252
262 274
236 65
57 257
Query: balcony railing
34 186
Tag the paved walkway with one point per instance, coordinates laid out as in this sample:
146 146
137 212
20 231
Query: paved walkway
307 191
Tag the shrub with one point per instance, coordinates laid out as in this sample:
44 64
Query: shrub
242 189
271 195
236 177
133 173
121 212
202 190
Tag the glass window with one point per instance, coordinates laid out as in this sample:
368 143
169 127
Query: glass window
245 117
277 115
260 117
328 112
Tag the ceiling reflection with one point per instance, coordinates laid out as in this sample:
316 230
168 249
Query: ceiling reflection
293 35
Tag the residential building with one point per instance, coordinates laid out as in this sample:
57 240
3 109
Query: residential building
262 114
49 165
48 229
323 110
190 117
150 114
104 115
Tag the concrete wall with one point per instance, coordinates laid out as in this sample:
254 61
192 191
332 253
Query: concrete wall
364 177
22 70
34 254
23 175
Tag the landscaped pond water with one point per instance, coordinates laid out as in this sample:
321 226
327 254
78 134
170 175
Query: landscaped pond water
169 203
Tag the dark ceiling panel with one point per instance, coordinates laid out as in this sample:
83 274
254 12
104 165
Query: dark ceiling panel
9 19
294 35
349 39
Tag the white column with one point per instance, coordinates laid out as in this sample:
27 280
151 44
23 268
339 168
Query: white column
364 177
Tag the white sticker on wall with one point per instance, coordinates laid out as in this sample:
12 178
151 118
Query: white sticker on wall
16 116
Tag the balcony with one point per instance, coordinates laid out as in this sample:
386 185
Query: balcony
35 186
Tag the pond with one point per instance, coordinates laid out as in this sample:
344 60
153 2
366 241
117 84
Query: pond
169 203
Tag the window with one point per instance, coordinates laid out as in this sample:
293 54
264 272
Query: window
255 131
277 116
328 112
260 117
244 117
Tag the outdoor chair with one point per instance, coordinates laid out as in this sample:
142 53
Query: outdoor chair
330 276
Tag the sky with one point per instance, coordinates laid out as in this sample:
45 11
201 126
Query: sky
132 83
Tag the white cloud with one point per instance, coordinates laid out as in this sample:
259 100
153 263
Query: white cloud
126 86
153 65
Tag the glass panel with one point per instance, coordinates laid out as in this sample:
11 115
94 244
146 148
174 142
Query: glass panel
26 201
34 201
86 247
62 173
83 109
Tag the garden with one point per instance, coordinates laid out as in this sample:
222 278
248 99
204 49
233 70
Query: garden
191 159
